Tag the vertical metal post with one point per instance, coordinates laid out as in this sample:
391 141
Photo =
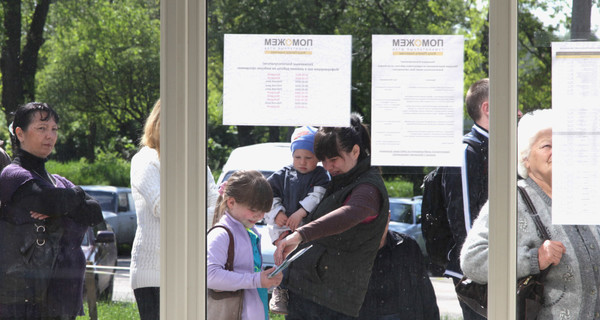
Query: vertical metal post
502 163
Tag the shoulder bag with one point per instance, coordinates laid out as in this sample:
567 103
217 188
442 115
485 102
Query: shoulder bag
530 289
225 305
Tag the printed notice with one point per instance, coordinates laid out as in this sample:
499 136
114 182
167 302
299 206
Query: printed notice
576 132
417 100
287 80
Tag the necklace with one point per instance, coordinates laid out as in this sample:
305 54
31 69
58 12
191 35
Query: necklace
50 178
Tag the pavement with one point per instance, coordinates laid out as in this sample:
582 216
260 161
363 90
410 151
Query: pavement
122 288
446 298
444 291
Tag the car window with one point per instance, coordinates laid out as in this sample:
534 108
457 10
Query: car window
106 199
418 212
131 203
401 212
123 202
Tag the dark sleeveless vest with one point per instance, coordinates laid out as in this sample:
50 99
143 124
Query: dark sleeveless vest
335 272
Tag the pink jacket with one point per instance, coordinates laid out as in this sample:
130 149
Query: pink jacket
243 276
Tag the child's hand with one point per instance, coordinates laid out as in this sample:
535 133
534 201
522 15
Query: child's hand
265 282
281 219
296 218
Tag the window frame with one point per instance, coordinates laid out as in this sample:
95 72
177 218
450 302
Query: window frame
183 158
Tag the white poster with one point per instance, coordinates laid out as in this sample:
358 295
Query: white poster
287 80
576 133
417 100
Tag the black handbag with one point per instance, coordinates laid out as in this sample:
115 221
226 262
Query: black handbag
530 289
28 256
225 305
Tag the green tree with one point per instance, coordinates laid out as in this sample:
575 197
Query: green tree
102 72
21 37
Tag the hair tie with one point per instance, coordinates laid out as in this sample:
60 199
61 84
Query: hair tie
222 188
10 129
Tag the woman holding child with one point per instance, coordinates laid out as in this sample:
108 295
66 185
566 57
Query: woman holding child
331 279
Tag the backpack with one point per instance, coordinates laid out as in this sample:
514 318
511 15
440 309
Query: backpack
434 220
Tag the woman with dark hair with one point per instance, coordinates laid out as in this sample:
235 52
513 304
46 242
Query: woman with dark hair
43 218
331 279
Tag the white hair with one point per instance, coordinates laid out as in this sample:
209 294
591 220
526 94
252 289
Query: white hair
530 125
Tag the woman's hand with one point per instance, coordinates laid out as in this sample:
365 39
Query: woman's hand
265 282
38 216
287 245
550 253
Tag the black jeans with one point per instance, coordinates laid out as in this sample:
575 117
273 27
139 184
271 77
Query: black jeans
148 302
303 309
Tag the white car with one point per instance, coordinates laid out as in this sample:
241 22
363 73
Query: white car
264 157
406 218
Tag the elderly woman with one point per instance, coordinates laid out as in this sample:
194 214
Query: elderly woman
571 286
43 219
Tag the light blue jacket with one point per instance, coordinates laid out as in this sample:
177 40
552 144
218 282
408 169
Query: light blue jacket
243 276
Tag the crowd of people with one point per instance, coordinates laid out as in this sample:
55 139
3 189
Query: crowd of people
354 268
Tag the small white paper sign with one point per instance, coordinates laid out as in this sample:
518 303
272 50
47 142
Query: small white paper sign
287 80
417 100
576 133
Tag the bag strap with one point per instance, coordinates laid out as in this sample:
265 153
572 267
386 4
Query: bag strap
534 215
538 224
230 250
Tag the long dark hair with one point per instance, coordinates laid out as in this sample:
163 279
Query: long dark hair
329 141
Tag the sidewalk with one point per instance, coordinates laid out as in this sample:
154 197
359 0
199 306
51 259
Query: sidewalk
446 298
122 288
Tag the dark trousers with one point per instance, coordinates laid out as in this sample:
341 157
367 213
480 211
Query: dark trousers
303 309
148 302
468 313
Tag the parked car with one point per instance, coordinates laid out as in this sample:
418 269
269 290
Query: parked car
100 249
118 209
264 157
406 218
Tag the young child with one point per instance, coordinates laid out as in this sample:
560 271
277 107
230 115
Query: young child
297 190
243 201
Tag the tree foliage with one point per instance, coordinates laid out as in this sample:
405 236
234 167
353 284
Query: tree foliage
102 72
21 39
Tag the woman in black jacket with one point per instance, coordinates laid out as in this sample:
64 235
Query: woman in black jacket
43 219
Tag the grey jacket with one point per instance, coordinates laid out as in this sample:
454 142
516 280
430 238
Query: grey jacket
571 287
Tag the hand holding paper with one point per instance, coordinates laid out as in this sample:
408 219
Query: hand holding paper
287 262
285 246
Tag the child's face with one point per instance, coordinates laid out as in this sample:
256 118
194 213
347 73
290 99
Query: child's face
304 160
244 214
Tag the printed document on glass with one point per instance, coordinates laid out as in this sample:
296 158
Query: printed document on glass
287 80
576 133
417 100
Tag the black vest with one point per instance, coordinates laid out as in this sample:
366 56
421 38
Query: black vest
335 272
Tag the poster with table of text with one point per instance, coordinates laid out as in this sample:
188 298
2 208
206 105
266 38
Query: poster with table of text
287 80
576 132
417 100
